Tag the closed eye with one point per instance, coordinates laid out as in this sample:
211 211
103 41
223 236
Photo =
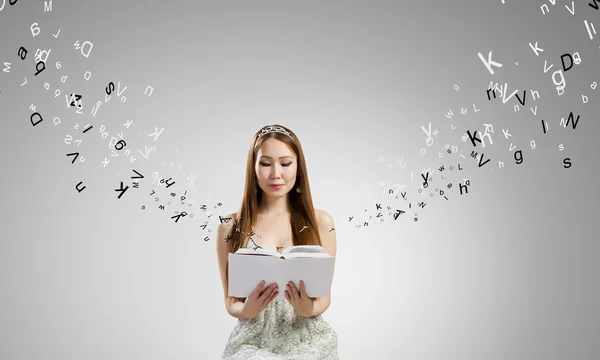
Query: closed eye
286 165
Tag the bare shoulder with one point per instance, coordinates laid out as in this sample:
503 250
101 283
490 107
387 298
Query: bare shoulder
326 231
231 218
323 218
226 227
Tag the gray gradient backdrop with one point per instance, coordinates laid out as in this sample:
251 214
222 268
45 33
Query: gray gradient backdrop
505 271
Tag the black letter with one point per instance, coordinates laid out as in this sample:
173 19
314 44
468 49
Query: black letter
77 187
23 56
573 122
563 61
38 70
485 162
111 85
473 137
524 97
31 118
520 159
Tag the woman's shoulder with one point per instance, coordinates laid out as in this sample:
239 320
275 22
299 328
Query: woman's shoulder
323 217
231 218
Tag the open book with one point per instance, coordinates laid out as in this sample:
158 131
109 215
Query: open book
291 252
309 263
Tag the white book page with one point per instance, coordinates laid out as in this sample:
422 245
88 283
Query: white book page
316 273
306 255
303 249
258 251
246 271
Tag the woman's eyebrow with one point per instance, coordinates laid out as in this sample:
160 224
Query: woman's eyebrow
281 157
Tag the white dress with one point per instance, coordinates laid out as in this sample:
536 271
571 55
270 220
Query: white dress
279 332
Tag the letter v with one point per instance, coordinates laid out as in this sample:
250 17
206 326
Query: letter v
524 97
119 92
485 162
534 111
504 99
546 69
572 10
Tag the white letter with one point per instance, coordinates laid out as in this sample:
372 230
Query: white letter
39 53
535 49
489 62
572 10
588 29
88 53
151 90
533 92
562 82
34 31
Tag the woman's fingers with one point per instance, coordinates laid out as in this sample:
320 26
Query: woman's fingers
291 289
267 293
256 291
275 293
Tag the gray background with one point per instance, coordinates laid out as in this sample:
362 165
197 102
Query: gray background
505 271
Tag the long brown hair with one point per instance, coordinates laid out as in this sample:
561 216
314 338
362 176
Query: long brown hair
302 212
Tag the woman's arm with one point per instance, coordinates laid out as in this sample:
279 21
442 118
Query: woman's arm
320 305
233 305
235 308
329 243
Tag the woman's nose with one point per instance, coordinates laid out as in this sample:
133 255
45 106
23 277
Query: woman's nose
275 172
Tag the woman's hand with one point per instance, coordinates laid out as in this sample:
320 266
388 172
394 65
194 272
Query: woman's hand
257 301
299 300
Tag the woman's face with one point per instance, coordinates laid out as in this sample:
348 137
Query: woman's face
275 164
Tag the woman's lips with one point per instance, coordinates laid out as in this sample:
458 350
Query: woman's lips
276 186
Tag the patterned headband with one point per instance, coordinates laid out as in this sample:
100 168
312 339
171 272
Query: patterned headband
270 129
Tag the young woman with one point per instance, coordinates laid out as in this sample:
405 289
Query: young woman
277 212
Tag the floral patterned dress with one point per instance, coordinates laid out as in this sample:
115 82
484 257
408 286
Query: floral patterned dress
279 332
